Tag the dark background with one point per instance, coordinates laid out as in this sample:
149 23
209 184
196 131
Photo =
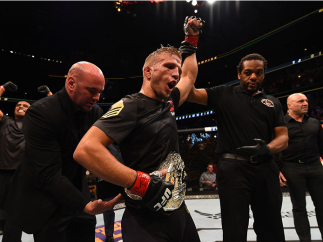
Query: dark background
119 42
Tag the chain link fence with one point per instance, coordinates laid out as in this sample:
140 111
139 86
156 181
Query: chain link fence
197 149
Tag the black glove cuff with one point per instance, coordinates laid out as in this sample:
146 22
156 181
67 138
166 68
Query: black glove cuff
186 49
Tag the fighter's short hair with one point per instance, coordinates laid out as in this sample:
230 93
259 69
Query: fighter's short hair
168 49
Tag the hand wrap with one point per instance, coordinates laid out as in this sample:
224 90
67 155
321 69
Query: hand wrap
141 184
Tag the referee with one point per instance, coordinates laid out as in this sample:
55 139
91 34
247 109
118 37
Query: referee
251 127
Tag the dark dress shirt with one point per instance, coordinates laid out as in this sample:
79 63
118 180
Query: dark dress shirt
305 140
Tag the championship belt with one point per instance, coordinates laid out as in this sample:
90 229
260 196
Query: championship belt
176 175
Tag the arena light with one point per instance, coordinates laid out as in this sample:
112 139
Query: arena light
195 11
193 115
194 2
211 1
122 4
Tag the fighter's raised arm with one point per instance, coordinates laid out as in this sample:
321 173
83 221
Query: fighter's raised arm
192 29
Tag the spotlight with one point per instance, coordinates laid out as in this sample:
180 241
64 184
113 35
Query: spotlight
195 11
211 1
194 2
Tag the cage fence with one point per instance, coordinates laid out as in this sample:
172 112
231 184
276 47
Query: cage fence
197 148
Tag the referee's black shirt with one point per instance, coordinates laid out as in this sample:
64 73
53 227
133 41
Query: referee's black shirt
242 117
305 140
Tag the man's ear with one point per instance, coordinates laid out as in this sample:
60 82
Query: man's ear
147 72
70 83
239 75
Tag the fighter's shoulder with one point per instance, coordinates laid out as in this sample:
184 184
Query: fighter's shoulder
126 103
132 99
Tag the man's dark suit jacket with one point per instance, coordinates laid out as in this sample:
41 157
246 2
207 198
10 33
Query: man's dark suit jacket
48 176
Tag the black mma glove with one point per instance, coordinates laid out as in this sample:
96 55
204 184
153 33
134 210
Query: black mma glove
187 28
44 90
259 149
189 45
155 192
186 49
9 87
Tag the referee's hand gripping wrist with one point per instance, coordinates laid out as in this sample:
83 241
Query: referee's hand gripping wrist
155 192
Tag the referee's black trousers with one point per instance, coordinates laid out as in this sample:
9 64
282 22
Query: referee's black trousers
242 183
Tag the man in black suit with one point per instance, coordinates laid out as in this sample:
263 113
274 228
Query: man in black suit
49 197
12 144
